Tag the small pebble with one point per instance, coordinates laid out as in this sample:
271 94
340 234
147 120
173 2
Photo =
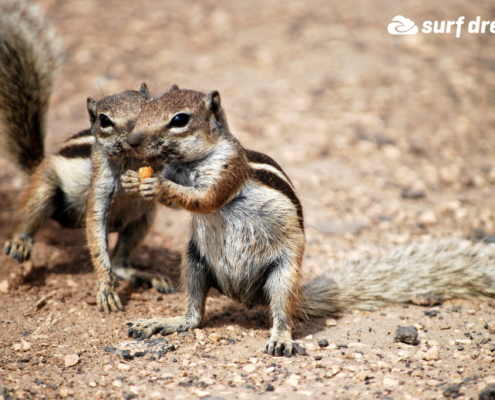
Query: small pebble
432 354
71 360
123 367
323 343
406 334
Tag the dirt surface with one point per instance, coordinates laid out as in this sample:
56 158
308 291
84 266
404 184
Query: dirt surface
387 139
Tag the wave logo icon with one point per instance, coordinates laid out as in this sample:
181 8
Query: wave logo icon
402 26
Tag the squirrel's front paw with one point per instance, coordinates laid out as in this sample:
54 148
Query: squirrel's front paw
150 188
18 249
283 345
107 298
130 181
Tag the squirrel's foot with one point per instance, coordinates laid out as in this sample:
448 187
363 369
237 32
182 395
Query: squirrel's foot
282 345
107 298
144 328
162 283
150 188
18 248
130 181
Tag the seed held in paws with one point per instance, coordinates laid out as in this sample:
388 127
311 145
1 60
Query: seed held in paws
145 172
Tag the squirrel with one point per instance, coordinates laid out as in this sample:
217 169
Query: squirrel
83 177
248 231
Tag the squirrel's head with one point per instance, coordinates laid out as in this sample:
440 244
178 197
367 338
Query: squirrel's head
114 117
180 126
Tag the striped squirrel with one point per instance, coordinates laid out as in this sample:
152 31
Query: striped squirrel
60 183
248 231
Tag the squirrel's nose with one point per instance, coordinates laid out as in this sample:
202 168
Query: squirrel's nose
135 139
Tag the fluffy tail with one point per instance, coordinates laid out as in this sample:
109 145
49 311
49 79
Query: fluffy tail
448 268
29 59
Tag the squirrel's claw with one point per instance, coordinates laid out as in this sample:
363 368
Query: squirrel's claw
18 249
279 345
108 300
130 181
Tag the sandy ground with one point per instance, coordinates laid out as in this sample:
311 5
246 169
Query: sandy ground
387 139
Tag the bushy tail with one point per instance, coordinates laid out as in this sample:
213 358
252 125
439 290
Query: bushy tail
29 59
450 268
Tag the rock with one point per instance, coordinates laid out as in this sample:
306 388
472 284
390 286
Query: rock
426 218
123 367
452 391
71 360
432 354
199 334
432 313
4 286
25 346
490 325
215 337
248 369
407 334
428 300
389 382
139 348
331 322
293 380
334 370
412 193
310 347
323 343
417 373
361 376
488 393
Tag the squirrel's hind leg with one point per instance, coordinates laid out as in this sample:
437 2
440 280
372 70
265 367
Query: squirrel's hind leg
129 238
282 288
37 207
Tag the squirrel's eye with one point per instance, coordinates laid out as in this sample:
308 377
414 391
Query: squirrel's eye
105 122
179 120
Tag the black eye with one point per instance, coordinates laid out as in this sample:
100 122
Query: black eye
179 120
105 122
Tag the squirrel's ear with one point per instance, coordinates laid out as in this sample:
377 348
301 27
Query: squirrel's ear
213 101
173 88
144 90
213 104
91 109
